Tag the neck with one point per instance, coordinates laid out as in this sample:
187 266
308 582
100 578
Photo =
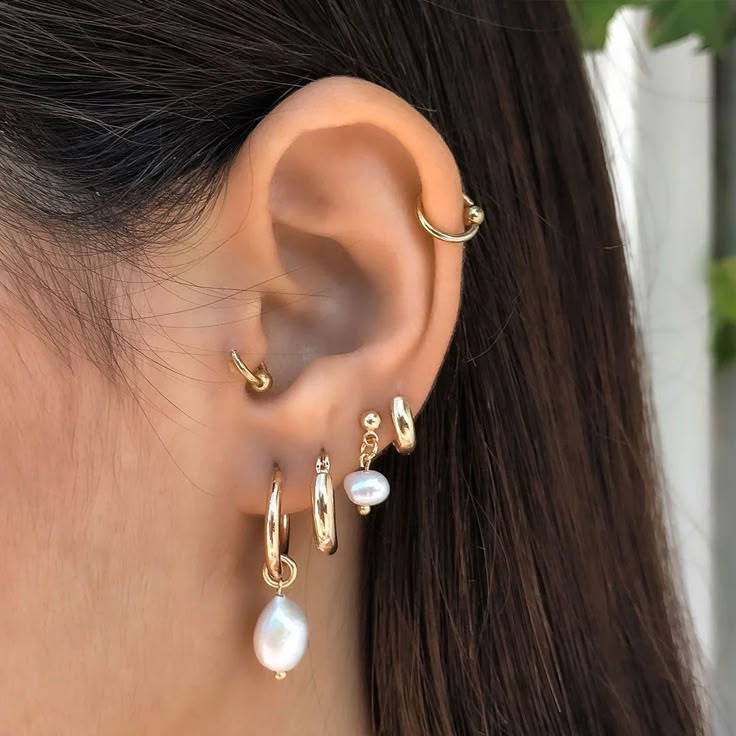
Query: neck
158 641
145 626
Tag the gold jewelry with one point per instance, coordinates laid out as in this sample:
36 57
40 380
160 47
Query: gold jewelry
276 538
280 636
366 487
370 422
403 420
473 216
260 381
323 507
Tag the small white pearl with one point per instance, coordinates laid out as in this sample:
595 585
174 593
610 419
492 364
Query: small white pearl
280 637
366 487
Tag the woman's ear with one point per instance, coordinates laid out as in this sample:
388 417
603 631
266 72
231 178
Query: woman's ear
340 290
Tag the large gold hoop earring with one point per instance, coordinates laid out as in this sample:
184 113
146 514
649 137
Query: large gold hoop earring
281 634
276 537
473 216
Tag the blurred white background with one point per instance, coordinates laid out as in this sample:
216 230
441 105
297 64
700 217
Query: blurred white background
659 116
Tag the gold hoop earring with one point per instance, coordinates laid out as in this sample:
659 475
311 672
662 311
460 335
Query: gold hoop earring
403 421
281 634
323 507
260 381
366 487
473 216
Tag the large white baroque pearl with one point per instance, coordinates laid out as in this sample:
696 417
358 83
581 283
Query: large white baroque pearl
280 637
366 487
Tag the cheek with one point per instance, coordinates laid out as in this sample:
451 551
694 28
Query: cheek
120 581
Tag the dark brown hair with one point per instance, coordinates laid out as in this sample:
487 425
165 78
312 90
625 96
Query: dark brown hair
518 581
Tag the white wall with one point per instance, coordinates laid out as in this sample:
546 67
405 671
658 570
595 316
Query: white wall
657 110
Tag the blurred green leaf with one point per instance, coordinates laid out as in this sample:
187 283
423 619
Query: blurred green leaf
723 300
591 18
724 344
671 20
714 21
723 288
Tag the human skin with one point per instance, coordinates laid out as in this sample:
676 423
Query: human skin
131 530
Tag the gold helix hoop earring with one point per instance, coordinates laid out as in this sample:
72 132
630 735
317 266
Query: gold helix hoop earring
403 421
260 381
323 507
280 637
366 487
473 217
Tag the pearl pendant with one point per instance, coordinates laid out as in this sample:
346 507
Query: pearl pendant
280 637
366 488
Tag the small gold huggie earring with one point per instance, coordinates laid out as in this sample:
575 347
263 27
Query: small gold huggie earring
366 487
260 381
323 507
280 637
473 217
403 421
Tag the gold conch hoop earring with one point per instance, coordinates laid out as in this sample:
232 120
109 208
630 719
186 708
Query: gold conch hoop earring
260 381
323 507
281 634
473 217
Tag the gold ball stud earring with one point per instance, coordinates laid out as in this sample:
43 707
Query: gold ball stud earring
260 381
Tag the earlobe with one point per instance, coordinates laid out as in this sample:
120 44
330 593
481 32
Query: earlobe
363 301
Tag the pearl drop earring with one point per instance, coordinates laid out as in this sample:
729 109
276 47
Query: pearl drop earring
280 637
366 487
